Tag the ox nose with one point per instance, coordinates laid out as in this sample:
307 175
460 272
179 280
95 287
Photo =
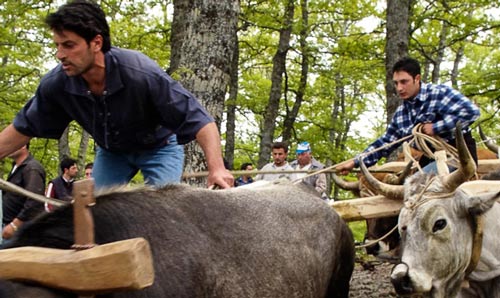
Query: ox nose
401 280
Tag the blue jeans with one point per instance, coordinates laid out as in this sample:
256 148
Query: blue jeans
431 168
159 166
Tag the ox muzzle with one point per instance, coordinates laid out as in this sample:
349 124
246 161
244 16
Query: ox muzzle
401 281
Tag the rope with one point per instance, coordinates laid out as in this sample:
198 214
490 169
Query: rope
7 186
363 154
423 140
488 139
377 240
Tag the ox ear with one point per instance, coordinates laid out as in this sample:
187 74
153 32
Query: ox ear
475 204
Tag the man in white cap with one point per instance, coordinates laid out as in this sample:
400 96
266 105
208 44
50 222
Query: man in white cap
305 162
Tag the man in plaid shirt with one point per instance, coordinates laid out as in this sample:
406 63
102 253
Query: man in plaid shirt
437 107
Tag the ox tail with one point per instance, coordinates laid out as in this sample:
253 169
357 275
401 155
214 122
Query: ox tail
344 264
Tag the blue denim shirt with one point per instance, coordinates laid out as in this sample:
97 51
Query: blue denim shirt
140 107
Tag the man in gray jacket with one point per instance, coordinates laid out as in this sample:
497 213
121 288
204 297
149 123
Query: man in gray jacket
305 162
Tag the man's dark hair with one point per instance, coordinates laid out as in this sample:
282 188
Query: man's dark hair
279 145
89 165
83 17
407 64
245 165
67 163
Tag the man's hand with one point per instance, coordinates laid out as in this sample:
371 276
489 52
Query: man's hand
221 178
7 232
10 229
427 129
209 140
346 167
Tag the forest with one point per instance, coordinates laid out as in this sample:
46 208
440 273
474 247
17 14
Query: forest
288 70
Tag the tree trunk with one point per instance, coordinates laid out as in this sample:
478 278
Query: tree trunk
279 63
202 42
291 116
440 53
456 65
231 108
82 152
63 145
396 47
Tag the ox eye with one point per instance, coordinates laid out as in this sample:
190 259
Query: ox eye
439 225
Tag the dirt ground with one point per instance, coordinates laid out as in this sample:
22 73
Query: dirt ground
371 279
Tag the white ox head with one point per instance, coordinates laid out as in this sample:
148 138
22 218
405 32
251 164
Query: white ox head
437 237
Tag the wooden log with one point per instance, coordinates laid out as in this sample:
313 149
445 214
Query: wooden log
380 206
477 187
121 265
369 207
83 196
487 165
484 166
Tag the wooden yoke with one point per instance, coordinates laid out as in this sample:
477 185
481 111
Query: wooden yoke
83 196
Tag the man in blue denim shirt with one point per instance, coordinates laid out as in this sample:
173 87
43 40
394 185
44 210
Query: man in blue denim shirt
136 113
437 107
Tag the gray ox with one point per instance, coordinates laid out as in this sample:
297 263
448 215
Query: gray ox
276 241
437 228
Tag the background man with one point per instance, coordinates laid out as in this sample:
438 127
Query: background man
279 153
29 174
305 162
136 113
88 170
62 186
244 179
437 107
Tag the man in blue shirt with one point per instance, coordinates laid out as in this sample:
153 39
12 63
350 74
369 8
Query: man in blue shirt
137 114
437 107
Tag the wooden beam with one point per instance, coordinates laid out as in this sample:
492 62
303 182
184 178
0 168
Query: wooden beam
121 265
369 207
380 206
477 187
487 165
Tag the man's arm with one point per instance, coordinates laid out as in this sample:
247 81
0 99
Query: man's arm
209 139
11 140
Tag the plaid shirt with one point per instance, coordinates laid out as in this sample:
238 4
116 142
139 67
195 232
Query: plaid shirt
439 104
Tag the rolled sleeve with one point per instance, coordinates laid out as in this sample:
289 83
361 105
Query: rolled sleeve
40 118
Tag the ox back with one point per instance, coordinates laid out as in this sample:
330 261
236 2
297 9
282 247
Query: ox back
276 241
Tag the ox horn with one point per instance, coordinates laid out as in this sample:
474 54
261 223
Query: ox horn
395 179
488 142
467 167
345 185
395 192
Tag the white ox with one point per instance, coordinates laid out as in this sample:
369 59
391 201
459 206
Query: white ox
437 233
438 229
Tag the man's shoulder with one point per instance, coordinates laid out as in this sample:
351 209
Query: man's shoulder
268 166
59 179
53 79
316 164
132 59
32 164
428 89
